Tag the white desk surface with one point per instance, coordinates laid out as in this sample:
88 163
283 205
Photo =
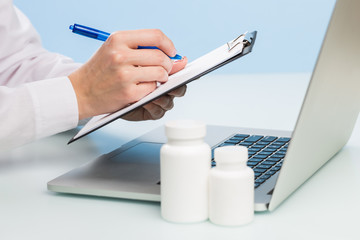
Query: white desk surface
326 207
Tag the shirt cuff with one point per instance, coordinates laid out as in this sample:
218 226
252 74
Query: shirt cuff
55 106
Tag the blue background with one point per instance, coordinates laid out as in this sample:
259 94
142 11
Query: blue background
289 32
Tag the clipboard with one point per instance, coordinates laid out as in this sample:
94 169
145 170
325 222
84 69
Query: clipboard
234 49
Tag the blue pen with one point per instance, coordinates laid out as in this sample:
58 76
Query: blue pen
102 36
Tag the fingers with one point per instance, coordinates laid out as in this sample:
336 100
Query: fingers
157 108
150 74
145 37
178 92
153 111
178 65
150 57
148 112
165 102
143 89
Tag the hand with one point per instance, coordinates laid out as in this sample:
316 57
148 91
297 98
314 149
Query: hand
157 108
119 73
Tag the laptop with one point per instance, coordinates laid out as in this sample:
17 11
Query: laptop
281 160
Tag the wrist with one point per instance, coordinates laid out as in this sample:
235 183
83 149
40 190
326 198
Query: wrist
84 111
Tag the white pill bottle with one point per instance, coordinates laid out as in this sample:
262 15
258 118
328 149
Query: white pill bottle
231 187
185 162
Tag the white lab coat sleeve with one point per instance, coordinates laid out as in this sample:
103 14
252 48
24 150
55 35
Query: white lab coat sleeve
36 97
22 57
36 110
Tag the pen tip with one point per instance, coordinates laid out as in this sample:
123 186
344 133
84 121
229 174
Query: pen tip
71 140
71 27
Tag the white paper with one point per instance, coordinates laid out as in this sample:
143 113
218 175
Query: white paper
191 70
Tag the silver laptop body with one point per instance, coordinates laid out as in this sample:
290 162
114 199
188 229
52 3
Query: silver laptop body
325 123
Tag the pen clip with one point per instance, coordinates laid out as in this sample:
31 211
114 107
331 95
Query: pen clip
245 39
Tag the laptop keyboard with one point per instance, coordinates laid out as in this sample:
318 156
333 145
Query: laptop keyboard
266 153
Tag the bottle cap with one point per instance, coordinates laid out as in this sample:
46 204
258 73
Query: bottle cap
185 129
231 154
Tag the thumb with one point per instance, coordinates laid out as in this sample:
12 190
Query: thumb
178 65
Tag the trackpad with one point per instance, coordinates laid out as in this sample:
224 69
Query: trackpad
140 163
147 153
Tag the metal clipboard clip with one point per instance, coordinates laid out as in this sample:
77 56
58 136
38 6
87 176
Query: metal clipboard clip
245 38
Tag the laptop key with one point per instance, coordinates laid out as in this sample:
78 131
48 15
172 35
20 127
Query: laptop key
274 147
254 159
254 148
273 159
278 155
276 168
233 141
267 149
260 170
262 143
268 153
269 163
267 175
261 156
226 144
258 146
246 144
241 136
254 138
269 138
283 139
260 180
252 164
271 172
253 152
278 144
264 166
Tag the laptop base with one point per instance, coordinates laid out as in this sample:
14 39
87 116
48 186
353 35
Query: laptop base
133 170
